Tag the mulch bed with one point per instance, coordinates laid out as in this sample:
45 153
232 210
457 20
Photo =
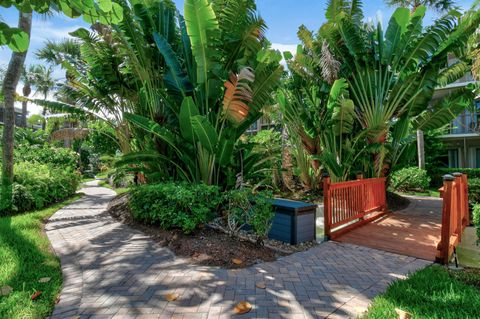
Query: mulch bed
205 246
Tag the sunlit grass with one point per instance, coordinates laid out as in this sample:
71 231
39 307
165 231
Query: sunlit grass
26 256
429 293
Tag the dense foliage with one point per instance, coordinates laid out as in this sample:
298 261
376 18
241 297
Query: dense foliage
47 154
38 185
410 179
175 205
476 220
244 209
358 92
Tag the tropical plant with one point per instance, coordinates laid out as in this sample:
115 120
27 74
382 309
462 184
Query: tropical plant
191 85
388 82
28 79
17 39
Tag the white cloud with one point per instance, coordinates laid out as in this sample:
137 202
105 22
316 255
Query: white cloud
46 30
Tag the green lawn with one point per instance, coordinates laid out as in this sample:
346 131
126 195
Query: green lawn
430 293
26 256
433 192
119 190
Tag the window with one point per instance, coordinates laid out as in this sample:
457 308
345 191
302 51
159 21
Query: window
453 161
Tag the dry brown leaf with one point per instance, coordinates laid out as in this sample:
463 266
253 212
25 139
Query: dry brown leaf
5 290
172 296
36 294
242 307
237 261
403 314
261 285
44 279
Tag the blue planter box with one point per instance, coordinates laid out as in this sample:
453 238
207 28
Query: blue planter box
294 221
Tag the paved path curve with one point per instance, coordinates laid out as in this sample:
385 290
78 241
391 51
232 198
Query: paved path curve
113 271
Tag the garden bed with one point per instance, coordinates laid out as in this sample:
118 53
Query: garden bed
206 246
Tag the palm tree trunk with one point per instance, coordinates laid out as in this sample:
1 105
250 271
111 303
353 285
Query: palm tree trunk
12 76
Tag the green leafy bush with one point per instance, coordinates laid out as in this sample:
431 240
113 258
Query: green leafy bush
175 205
46 154
243 208
476 220
41 184
437 175
410 178
474 190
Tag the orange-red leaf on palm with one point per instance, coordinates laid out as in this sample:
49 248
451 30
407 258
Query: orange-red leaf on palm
238 94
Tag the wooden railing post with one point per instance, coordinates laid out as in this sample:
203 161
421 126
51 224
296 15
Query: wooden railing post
359 176
327 205
444 245
466 221
460 206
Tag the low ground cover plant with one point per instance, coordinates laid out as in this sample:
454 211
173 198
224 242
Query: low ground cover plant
186 206
38 185
174 205
410 179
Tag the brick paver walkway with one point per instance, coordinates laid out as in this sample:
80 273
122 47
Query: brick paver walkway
113 271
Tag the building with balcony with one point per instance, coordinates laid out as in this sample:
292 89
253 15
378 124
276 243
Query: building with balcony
463 137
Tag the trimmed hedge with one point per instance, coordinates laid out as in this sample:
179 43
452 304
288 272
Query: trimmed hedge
38 185
175 205
437 175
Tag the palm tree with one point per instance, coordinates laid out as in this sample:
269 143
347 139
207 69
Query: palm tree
55 52
44 83
28 78
12 76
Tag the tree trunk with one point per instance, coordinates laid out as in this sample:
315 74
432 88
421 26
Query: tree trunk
26 92
420 149
287 165
12 76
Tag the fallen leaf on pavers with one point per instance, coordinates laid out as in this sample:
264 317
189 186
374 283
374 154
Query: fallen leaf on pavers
57 300
403 314
36 295
44 279
242 307
261 285
172 297
237 261
5 290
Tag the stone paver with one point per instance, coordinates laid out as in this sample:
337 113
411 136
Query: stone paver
113 271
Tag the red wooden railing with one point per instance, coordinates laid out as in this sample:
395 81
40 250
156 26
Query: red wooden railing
350 204
455 214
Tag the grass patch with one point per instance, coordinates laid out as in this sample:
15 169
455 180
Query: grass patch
26 256
433 192
119 190
429 293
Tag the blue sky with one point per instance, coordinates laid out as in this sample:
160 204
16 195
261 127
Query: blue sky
283 18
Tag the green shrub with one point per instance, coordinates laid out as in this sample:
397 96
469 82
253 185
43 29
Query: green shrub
46 154
437 175
476 220
175 205
474 190
46 184
22 199
243 208
409 179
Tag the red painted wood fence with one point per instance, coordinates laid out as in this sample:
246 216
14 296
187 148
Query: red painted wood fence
351 204
455 214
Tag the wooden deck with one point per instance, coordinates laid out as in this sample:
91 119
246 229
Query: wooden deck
414 231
